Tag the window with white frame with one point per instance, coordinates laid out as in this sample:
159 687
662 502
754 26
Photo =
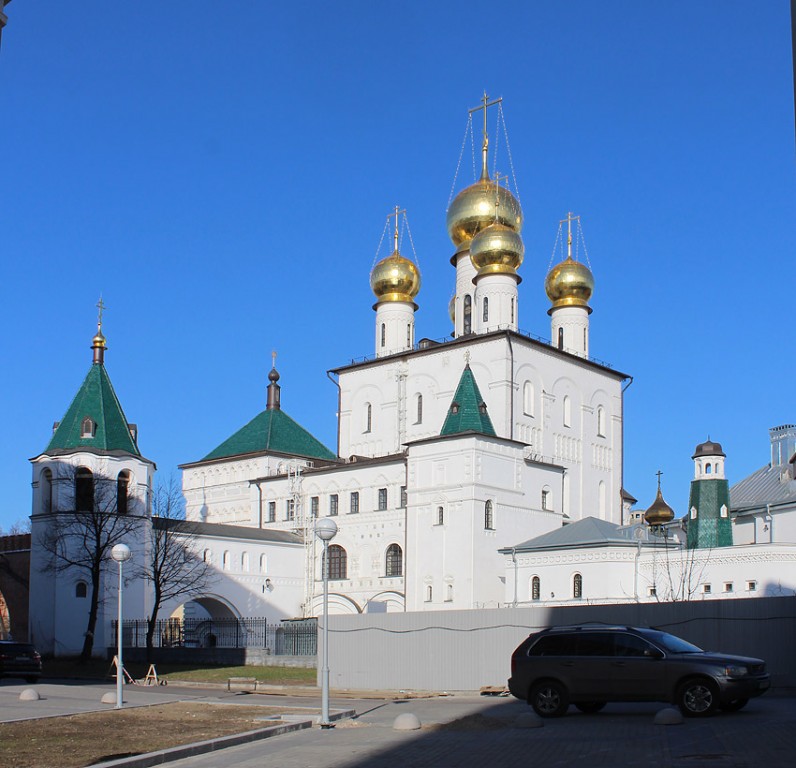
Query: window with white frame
382 499
334 504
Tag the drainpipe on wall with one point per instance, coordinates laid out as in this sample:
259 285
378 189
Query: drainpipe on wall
259 505
511 396
622 445
339 398
514 560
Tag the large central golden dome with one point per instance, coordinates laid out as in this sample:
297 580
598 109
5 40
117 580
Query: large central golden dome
395 278
474 208
569 284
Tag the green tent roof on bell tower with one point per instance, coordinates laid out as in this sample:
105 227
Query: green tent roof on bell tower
95 420
467 412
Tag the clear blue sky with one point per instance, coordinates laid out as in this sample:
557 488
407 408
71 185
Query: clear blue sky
221 173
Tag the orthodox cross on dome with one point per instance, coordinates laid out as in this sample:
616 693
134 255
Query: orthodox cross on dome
396 212
273 358
485 104
570 218
100 307
659 473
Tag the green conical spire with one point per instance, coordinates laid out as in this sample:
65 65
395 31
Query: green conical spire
467 412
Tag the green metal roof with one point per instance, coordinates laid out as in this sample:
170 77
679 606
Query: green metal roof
96 400
272 430
467 412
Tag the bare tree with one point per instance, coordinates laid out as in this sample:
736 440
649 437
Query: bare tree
174 566
95 513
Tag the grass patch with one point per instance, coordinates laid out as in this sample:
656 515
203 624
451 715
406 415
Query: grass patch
97 669
82 740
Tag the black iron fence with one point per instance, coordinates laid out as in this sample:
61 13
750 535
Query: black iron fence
289 638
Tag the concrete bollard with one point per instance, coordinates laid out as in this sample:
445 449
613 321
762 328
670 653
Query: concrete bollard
29 694
108 698
668 716
406 721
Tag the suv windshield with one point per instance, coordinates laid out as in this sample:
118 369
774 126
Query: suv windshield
670 642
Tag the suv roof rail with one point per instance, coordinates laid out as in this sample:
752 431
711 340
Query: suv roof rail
587 625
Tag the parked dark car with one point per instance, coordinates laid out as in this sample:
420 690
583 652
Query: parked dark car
19 660
590 664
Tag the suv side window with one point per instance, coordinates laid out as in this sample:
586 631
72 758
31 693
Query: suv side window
595 644
555 645
631 645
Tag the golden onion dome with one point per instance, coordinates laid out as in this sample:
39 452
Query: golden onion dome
659 512
474 208
569 284
395 279
99 341
497 249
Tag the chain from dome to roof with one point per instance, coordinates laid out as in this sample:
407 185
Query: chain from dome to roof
569 283
395 278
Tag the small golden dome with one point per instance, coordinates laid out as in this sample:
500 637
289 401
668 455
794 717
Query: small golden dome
395 279
659 512
497 249
474 208
569 284
99 341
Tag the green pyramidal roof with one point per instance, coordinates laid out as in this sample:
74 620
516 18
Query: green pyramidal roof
467 412
272 430
97 401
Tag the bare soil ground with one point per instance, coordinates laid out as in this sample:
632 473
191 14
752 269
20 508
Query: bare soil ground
82 740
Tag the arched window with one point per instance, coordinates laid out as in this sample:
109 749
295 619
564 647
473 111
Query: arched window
419 409
489 521
536 588
207 556
244 562
512 311
368 417
88 428
263 563
449 593
527 398
600 421
708 468
468 313
545 498
84 490
429 593
123 492
440 515
395 561
81 589
226 560
577 586
567 411
383 334
46 490
408 334
338 565
486 309
561 338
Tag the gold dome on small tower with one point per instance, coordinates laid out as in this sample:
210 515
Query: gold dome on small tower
659 512
395 278
569 283
497 249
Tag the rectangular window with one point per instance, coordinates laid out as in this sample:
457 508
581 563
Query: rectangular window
382 498
706 589
333 504
290 509
354 502
403 496
271 511
652 591
751 586
545 499
728 587
314 504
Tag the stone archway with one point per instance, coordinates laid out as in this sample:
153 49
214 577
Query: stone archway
210 621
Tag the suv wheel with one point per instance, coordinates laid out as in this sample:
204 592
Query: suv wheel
549 698
698 697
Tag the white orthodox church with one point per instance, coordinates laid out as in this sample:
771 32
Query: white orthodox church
448 454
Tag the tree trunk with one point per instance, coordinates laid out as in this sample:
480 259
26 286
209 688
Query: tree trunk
88 640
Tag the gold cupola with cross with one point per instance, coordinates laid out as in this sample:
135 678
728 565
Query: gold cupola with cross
474 208
569 283
395 278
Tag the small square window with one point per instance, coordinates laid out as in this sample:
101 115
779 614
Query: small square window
652 591
728 587
706 589
751 586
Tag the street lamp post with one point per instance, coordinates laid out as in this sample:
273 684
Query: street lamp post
325 530
121 554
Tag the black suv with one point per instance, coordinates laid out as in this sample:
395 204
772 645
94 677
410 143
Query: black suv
590 664
19 660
